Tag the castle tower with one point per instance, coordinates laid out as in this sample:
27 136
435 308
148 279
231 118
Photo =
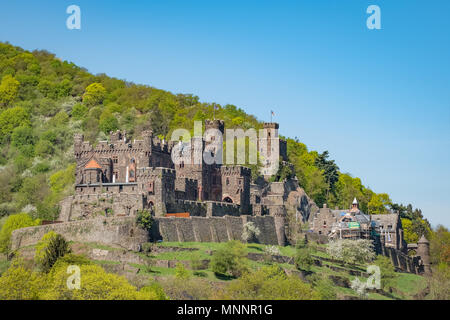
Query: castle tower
215 124
423 250
269 149
355 207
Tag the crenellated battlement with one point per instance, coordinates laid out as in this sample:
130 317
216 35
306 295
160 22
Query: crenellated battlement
235 171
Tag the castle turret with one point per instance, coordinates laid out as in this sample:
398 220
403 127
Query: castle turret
423 250
269 149
355 207
215 124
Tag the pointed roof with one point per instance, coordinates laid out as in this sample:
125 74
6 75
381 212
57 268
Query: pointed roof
423 240
92 165
355 201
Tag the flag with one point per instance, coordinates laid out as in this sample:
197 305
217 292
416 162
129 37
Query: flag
272 113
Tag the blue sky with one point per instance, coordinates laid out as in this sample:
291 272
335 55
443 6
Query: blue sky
378 100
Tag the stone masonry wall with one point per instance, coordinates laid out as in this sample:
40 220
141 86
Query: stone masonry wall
213 229
116 231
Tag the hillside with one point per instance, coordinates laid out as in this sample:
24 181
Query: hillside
44 101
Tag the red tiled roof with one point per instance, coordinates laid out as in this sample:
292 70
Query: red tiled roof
179 215
92 165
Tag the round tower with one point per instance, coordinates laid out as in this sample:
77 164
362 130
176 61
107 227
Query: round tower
423 250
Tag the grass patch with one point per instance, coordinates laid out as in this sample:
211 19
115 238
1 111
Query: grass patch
410 284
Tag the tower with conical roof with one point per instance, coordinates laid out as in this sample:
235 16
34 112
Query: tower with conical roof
355 207
423 250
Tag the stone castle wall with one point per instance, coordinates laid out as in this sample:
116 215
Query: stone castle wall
213 229
82 206
116 231
123 231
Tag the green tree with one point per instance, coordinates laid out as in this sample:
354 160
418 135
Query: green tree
440 246
94 94
41 247
79 111
20 283
230 259
12 118
379 204
409 234
352 251
14 222
57 247
9 88
330 171
108 123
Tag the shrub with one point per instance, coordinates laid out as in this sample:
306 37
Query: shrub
181 272
196 262
79 111
352 251
144 219
14 222
20 283
230 260
324 286
269 283
96 284
44 148
303 259
387 270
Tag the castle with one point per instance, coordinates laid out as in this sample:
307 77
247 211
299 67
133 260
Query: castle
192 199
120 177
141 174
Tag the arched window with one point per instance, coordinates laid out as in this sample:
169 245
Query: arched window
228 200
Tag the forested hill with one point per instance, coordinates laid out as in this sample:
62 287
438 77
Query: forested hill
44 101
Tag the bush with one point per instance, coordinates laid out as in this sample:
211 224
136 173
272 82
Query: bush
144 219
230 260
20 283
352 251
14 222
324 286
196 263
181 272
387 270
250 233
44 148
79 111
303 259
269 283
